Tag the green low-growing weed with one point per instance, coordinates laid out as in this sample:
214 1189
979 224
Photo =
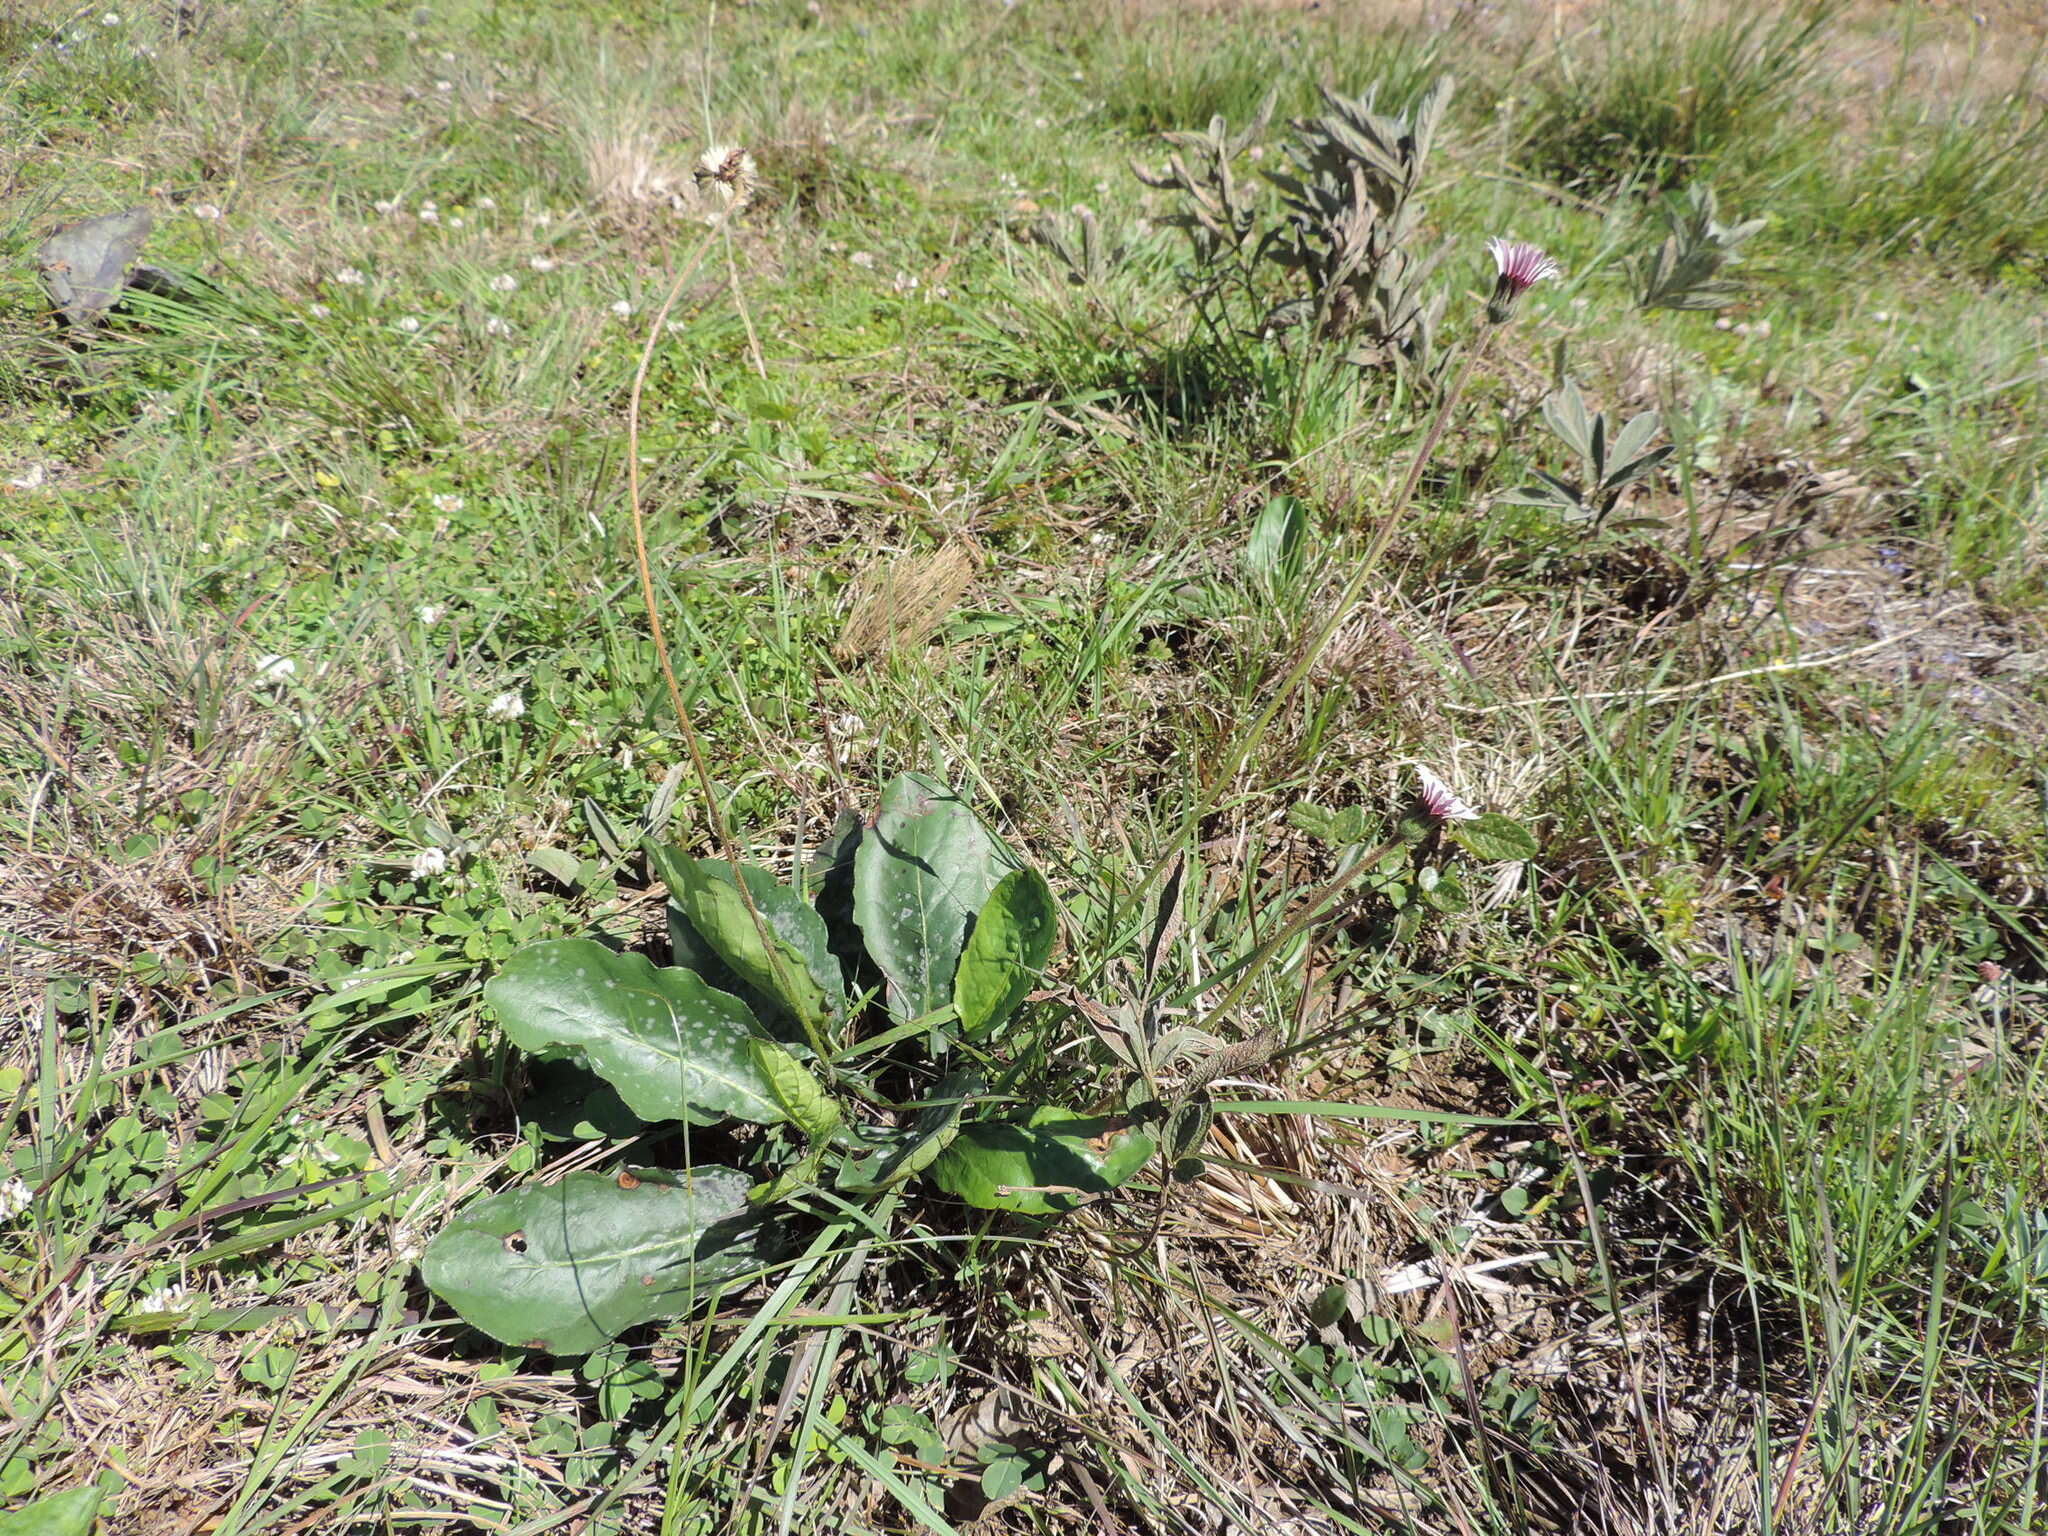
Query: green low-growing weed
924 922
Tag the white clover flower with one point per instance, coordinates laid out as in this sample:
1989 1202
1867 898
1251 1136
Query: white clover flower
863 259
510 705
429 614
14 1198
30 479
542 263
111 19
496 327
409 324
427 862
504 282
387 206
275 671
444 86
456 221
487 204
165 1299
622 308
347 277
448 503
429 214
318 311
205 211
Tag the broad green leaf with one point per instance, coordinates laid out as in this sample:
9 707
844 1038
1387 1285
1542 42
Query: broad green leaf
1043 1164
794 966
803 1098
61 1514
828 881
1319 822
1006 953
673 1047
570 1266
919 877
1494 837
1278 540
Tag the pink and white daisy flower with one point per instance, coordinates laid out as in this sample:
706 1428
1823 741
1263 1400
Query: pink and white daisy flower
1521 266
1442 802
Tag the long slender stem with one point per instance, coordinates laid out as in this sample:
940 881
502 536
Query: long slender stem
714 815
1367 564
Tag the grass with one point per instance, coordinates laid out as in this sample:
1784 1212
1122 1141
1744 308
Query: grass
1688 1180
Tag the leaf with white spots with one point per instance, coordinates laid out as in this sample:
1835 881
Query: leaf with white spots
919 878
673 1047
570 1266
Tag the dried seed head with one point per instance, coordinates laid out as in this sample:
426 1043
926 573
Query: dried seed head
729 174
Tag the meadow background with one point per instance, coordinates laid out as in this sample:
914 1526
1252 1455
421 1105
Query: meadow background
1690 1176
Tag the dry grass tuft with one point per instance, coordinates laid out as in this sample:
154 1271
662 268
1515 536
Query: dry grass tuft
898 602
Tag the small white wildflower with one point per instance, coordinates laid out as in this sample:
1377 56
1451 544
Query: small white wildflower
510 705
487 204
429 614
205 211
448 503
409 324
348 277
14 1198
626 758
903 282
318 311
429 861
111 19
387 206
622 308
496 327
504 282
542 263
275 671
456 221
429 214
165 1299
30 479
444 86
862 258
1039 122
542 219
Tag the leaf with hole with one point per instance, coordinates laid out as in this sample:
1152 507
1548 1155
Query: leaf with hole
568 1267
1043 1163
674 1047
1006 954
919 877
